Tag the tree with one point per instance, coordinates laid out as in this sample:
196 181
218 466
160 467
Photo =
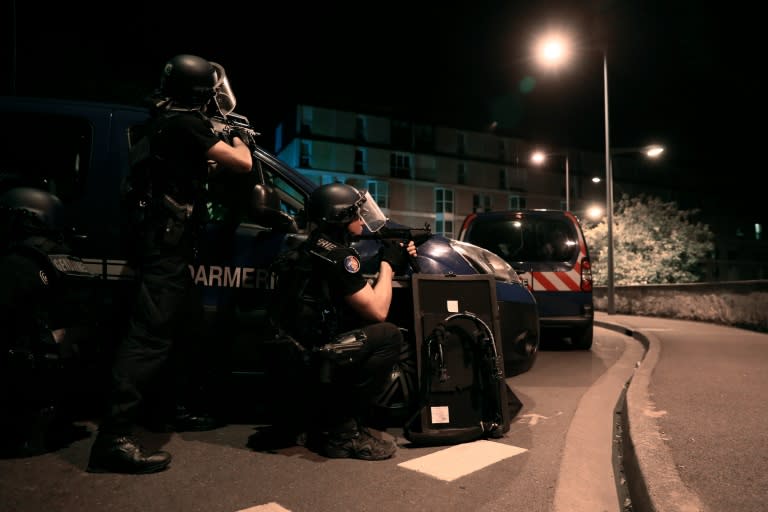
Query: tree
653 243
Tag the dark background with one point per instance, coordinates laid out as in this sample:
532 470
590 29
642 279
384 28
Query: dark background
681 73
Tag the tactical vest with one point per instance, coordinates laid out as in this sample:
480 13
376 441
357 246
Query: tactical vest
303 306
151 209
68 299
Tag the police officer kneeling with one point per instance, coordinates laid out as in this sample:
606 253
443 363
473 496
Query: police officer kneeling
38 329
342 320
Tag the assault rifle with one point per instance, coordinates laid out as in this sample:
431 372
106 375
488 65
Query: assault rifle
403 234
224 124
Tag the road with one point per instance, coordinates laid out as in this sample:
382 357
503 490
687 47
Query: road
696 405
566 419
697 415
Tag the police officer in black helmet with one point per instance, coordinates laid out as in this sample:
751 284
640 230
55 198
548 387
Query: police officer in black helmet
169 169
340 307
37 331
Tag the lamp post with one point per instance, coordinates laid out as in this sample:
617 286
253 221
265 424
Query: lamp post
609 293
538 158
553 49
652 151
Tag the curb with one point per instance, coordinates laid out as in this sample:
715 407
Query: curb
653 480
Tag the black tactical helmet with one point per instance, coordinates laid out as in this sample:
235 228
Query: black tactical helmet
189 80
334 203
31 210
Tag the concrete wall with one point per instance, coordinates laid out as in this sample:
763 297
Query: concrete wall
737 303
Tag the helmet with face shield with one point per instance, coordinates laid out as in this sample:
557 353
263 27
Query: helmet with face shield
193 81
340 204
188 80
27 211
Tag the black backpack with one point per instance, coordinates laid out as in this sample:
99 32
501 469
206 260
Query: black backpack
464 396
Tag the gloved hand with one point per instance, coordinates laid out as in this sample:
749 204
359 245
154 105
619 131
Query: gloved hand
395 254
243 134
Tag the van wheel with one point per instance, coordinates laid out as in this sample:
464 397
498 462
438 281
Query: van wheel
582 338
527 354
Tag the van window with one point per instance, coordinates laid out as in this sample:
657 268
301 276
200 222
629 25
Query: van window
46 151
527 239
229 195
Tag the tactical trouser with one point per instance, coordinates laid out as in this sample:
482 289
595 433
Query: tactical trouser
353 387
166 309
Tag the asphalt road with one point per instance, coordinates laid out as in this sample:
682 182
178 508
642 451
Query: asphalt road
697 413
557 456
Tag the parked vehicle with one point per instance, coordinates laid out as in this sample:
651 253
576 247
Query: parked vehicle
548 250
79 151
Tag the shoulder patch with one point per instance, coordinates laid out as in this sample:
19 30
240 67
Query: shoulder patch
352 264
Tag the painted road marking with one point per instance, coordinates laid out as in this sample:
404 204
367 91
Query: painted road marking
462 459
267 507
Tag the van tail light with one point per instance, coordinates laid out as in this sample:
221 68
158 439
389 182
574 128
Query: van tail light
586 275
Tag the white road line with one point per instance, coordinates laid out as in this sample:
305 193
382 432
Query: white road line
461 459
267 507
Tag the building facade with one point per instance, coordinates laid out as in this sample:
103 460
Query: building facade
422 173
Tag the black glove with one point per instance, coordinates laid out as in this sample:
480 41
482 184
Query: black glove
395 254
243 134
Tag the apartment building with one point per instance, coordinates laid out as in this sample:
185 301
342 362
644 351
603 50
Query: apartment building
423 173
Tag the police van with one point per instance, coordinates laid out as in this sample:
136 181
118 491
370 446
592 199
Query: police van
79 151
548 250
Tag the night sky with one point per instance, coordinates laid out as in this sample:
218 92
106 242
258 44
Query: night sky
680 73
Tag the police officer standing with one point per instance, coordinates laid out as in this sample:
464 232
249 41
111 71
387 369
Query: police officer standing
169 169
342 320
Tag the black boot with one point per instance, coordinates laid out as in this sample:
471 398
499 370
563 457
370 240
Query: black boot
182 420
351 440
122 454
187 421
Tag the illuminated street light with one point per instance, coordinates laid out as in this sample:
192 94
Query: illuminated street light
553 49
538 158
595 212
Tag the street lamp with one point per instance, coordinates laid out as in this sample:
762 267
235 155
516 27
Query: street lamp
551 50
538 157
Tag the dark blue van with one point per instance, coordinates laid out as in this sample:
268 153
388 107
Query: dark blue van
84 160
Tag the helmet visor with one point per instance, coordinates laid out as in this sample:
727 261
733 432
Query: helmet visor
372 216
224 97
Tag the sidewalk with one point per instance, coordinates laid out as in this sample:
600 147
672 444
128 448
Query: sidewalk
694 416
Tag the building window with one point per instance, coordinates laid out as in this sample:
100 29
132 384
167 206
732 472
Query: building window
379 192
306 120
444 212
519 174
361 128
503 178
461 177
305 158
481 203
503 150
401 134
461 143
400 165
424 138
361 161
516 202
